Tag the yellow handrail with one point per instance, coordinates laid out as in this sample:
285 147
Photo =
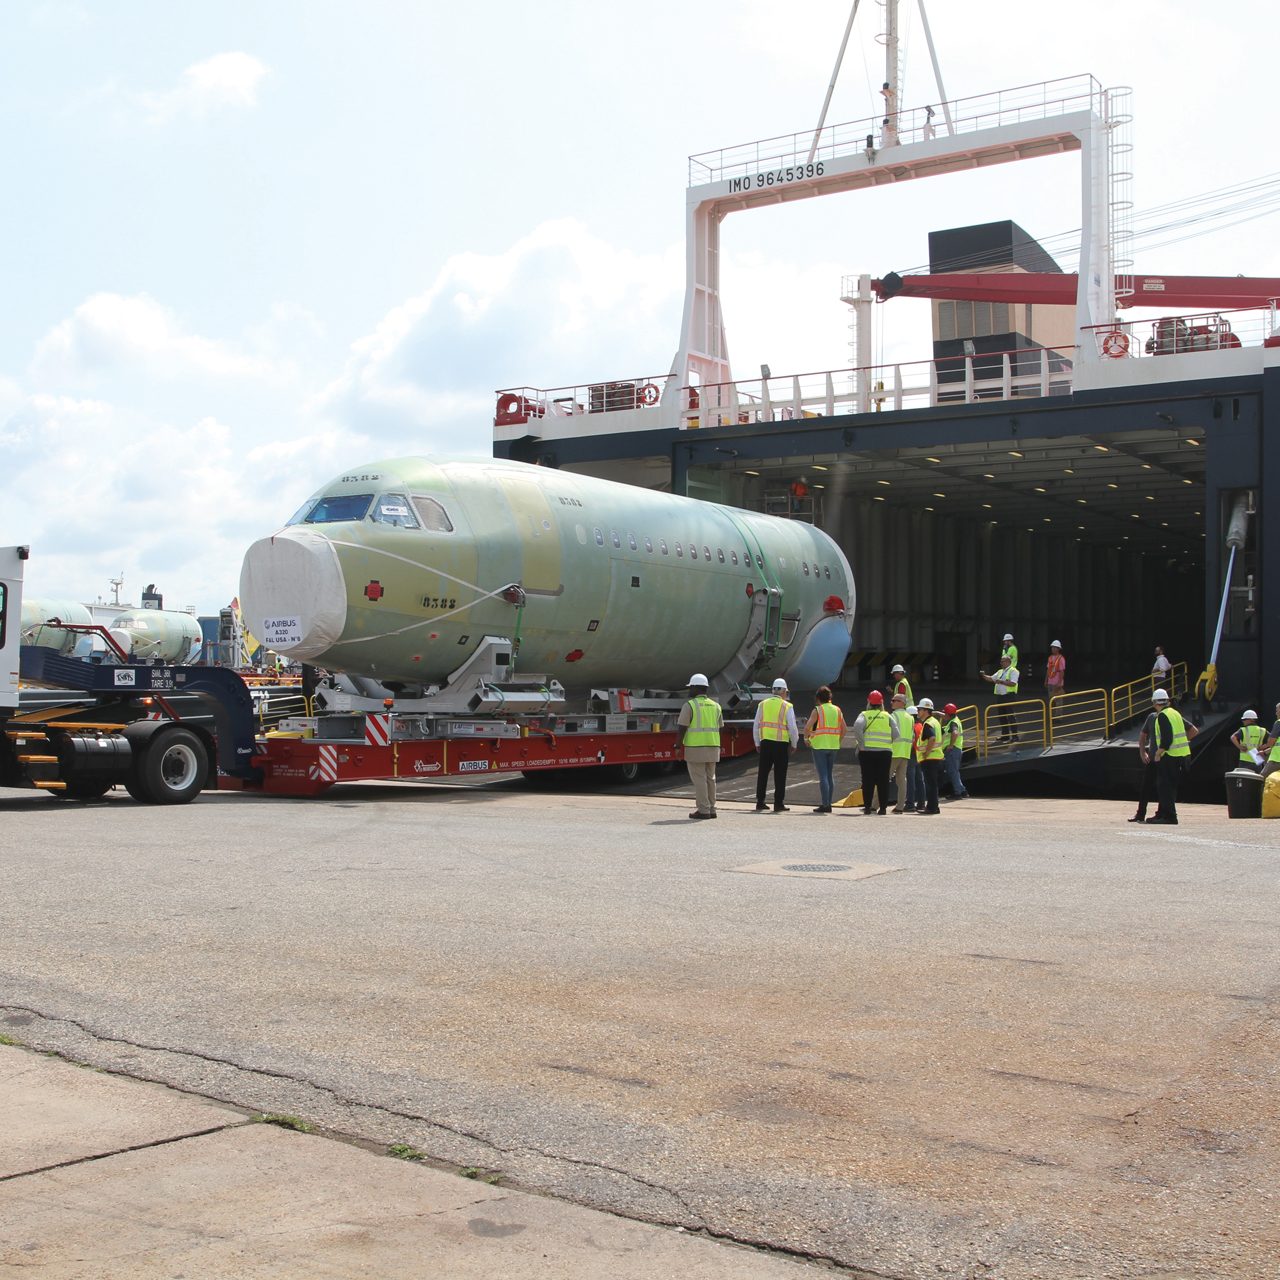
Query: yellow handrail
1084 713
1022 722
1133 699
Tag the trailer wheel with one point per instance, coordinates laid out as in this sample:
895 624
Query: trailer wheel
628 772
173 768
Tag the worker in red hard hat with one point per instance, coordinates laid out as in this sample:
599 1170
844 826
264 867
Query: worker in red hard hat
953 749
873 732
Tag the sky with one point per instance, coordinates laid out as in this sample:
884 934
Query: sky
249 246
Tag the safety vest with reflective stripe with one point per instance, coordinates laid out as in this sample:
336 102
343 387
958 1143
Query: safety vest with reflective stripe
1179 746
826 733
902 747
877 733
934 749
1012 650
1275 751
959 742
1250 737
773 721
1011 674
904 686
705 719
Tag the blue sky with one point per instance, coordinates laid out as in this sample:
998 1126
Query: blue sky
250 245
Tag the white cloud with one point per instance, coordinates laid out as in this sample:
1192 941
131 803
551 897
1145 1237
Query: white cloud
224 82
560 306
97 488
109 332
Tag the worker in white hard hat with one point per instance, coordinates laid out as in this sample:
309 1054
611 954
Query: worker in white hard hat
1008 647
1055 671
1247 739
698 734
898 683
776 734
1006 683
1172 743
902 755
929 749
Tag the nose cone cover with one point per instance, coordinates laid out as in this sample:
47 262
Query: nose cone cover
293 595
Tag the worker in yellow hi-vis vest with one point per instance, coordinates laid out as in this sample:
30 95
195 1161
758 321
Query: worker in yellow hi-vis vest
1173 737
776 734
823 732
873 733
699 728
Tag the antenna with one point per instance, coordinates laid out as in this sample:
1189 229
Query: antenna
826 102
116 584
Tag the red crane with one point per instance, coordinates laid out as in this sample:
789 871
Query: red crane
1058 289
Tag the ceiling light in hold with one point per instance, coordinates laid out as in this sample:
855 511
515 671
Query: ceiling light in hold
1013 453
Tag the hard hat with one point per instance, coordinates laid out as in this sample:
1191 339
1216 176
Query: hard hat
1055 644
779 684
1007 636
875 698
894 671
912 711
951 708
1160 695
699 681
1249 715
926 702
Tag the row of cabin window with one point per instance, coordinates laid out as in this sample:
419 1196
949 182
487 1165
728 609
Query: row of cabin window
616 539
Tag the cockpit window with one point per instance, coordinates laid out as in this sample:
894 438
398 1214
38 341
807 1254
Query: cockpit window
432 514
335 507
394 509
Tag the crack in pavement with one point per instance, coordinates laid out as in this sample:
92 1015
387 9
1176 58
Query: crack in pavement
120 1151
355 1104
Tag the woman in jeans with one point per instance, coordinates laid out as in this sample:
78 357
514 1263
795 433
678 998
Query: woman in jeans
823 732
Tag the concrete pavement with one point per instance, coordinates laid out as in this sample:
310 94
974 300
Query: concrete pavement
105 1177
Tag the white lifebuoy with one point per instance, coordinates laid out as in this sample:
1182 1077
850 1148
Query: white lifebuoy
649 394
1115 344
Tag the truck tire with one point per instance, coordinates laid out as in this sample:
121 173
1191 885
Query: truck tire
172 768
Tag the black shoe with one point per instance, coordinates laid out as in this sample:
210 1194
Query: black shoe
822 808
713 814
701 815
1168 822
760 808
881 812
782 808
1138 817
866 810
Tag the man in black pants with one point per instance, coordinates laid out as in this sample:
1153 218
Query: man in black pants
1146 752
776 734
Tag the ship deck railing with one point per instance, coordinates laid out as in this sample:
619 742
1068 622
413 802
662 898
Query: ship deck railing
960 379
1226 329
1039 101
662 400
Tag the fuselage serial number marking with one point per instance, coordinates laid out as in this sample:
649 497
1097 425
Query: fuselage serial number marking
777 177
